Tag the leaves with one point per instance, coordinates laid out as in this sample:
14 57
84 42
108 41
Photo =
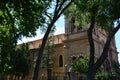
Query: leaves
23 17
19 62
18 19
80 65
107 12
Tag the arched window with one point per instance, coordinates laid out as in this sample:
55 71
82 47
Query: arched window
60 61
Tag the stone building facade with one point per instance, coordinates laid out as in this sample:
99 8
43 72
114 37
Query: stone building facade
74 43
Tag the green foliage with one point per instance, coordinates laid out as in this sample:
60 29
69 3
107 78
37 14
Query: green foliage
18 19
106 75
115 70
107 12
71 9
21 65
23 17
24 48
19 62
103 75
15 61
81 17
80 65
104 13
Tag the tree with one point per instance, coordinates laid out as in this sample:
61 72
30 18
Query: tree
22 18
100 13
20 65
47 60
59 8
18 19
80 65
49 51
115 70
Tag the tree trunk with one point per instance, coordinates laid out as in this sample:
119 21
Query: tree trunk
91 73
49 74
106 48
59 9
94 66
36 71
49 77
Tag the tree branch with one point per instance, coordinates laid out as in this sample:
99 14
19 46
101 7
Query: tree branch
65 8
91 43
56 6
106 48
54 19
62 3
48 16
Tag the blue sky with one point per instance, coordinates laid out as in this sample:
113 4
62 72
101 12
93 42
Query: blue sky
117 37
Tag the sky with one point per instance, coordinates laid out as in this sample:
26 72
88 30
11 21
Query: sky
60 29
117 38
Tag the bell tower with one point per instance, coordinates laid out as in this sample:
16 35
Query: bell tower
69 25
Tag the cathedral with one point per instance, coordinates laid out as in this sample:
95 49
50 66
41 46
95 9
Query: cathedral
72 44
